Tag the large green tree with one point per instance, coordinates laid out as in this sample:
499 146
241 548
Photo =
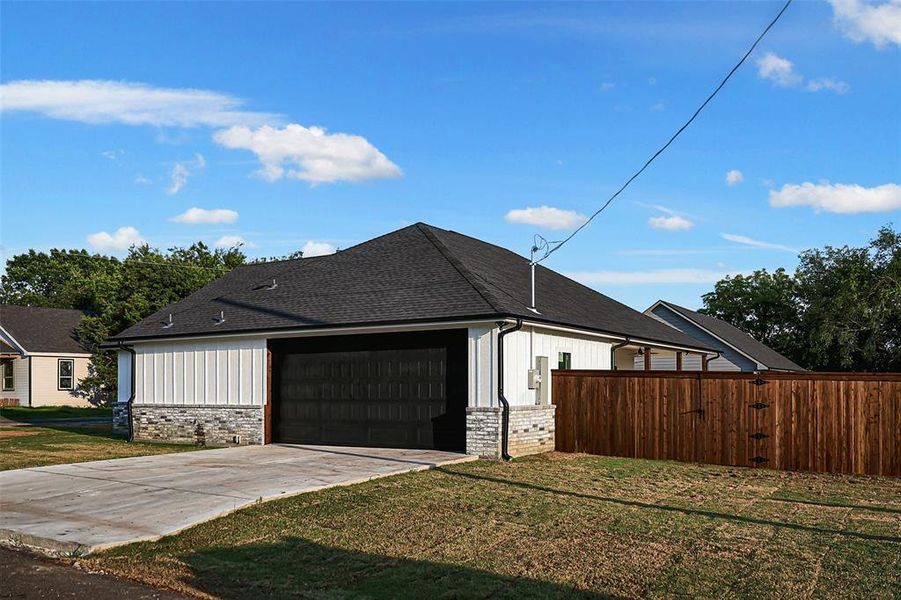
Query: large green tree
840 311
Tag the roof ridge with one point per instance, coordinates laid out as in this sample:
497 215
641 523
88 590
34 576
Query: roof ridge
455 262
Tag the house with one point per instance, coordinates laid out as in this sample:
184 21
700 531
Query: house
41 361
736 350
422 337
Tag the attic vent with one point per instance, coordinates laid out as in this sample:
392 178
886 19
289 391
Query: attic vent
169 323
221 318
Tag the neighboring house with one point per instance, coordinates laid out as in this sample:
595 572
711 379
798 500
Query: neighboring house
41 361
397 341
737 351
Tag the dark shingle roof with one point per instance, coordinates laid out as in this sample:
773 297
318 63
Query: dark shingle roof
40 329
737 338
418 273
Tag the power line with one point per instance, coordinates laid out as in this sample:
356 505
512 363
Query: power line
674 136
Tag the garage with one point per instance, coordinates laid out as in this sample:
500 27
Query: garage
402 390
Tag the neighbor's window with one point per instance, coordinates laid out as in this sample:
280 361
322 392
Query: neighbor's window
9 380
66 378
564 360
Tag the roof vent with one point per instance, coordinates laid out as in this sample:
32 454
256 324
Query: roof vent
169 323
267 286
221 318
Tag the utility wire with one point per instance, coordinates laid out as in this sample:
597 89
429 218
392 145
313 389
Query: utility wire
674 136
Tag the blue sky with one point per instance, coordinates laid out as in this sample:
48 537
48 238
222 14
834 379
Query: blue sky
323 125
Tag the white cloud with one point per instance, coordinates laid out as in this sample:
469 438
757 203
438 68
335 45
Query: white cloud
310 154
869 22
181 171
780 71
141 180
547 217
658 276
671 223
608 86
839 197
99 102
734 177
195 216
122 239
233 241
658 106
833 85
745 240
113 155
312 248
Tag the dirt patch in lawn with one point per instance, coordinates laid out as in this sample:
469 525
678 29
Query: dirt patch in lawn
547 526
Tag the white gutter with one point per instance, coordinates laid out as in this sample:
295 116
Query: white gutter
319 331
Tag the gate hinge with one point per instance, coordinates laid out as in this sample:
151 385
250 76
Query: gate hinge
759 405
760 435
759 459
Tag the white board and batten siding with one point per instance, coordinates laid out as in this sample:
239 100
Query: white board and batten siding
197 373
520 351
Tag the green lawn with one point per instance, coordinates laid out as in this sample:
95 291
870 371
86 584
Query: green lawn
542 527
21 413
30 446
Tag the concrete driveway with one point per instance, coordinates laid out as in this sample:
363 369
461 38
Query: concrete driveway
89 506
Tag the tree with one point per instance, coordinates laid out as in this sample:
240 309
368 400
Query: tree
761 304
841 311
850 304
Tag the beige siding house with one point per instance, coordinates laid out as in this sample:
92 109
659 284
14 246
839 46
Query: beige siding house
41 361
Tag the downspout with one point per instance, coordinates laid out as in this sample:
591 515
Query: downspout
613 350
131 397
505 406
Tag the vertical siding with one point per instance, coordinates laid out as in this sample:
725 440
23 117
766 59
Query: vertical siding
202 373
521 348
482 366
124 376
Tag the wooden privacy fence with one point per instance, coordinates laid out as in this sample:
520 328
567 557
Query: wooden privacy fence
828 422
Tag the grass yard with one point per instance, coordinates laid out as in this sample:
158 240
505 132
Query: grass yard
548 526
31 446
22 413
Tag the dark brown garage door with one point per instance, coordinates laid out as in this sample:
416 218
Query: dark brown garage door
393 390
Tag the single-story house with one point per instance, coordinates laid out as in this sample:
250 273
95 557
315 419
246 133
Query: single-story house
41 361
421 338
736 350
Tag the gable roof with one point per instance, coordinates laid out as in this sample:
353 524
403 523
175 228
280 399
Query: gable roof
419 273
39 329
735 337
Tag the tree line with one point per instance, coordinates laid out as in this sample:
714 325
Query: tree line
839 311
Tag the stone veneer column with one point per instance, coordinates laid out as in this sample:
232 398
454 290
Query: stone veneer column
120 418
202 425
531 430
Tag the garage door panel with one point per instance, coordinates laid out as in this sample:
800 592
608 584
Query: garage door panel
401 390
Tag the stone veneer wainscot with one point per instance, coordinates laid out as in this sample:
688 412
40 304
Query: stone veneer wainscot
531 430
202 425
